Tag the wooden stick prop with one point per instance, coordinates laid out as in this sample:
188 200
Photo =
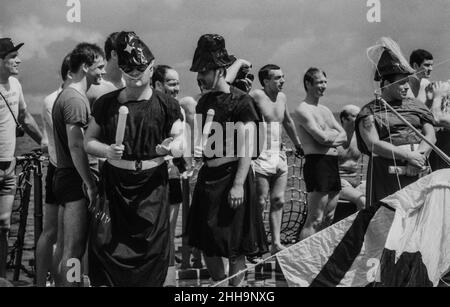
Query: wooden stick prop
207 127
419 134
121 123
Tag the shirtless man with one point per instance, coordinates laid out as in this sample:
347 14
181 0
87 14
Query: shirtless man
271 166
112 80
320 134
348 160
422 62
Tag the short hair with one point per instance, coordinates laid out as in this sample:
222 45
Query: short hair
263 73
65 67
85 53
110 44
159 73
419 56
342 115
309 75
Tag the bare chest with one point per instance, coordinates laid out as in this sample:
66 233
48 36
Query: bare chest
322 117
272 111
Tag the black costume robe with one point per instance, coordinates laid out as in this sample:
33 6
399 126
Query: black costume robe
213 226
129 237
392 130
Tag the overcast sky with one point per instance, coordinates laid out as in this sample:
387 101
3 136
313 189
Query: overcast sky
295 34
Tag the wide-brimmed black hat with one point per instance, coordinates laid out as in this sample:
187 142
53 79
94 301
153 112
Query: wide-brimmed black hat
132 51
389 65
211 54
7 46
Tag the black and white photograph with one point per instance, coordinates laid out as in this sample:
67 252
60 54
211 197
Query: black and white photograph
198 145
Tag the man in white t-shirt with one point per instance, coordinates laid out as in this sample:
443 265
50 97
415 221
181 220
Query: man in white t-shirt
46 260
13 110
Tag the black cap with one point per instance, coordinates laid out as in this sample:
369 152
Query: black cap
389 65
132 51
7 46
211 54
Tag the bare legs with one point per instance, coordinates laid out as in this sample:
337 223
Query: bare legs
75 234
171 276
6 203
216 268
275 186
321 207
44 248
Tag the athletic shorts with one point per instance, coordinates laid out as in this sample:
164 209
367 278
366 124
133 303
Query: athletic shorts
67 185
271 163
175 194
8 178
321 173
50 197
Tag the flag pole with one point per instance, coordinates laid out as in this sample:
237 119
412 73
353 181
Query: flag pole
439 152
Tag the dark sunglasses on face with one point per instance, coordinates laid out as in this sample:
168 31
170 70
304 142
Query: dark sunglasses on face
128 69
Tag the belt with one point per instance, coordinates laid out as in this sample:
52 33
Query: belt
220 161
137 165
410 147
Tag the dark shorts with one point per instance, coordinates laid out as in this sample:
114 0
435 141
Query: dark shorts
67 185
321 173
175 194
7 178
50 197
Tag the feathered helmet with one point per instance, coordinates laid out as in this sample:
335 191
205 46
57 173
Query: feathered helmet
388 59
211 54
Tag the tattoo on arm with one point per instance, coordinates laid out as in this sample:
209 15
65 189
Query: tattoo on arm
368 122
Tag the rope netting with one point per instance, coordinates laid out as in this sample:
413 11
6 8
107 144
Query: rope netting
295 207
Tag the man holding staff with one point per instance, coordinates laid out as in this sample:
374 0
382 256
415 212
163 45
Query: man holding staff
130 239
397 154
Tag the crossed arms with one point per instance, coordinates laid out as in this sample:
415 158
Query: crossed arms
332 136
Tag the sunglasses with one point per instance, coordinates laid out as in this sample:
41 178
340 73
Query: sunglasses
128 69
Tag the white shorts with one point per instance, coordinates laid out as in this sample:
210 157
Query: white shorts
271 163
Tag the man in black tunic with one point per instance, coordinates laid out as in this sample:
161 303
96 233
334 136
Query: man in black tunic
129 242
386 139
224 219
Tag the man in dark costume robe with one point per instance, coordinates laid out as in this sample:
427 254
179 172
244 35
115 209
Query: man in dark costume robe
224 219
129 243
390 144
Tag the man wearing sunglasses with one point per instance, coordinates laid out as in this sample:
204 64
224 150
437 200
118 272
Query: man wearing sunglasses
134 177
